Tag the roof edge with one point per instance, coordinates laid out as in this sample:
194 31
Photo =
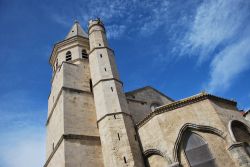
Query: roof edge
181 103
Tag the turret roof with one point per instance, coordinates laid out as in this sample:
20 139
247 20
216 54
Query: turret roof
76 30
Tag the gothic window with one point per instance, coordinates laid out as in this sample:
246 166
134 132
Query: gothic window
154 106
68 56
241 133
197 152
84 54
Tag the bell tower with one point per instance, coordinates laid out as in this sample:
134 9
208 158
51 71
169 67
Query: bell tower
118 137
72 134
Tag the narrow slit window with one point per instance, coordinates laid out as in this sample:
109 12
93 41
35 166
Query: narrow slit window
68 56
118 135
135 138
125 161
115 116
84 54
100 44
105 69
90 85
100 55
112 89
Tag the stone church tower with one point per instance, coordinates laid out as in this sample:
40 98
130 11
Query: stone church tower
71 125
91 122
87 95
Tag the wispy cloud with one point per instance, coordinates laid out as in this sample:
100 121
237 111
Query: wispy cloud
228 64
213 31
220 32
158 13
119 15
216 22
60 19
115 31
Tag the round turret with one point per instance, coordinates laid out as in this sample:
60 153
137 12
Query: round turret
96 24
97 34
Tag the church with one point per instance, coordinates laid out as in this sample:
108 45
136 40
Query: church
92 122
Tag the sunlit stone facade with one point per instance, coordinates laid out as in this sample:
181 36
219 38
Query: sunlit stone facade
92 122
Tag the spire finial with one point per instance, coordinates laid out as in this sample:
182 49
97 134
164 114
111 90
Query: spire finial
76 21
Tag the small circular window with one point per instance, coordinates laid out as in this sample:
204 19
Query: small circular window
154 106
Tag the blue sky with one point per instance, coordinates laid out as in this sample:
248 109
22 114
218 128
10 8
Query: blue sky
179 47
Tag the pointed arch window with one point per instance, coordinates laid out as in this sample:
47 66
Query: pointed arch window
197 152
84 54
241 133
68 56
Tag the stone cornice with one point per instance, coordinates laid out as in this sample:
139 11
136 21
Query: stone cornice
71 137
102 47
58 96
181 103
107 79
110 114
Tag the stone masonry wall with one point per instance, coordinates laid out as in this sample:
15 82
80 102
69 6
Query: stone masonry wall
162 130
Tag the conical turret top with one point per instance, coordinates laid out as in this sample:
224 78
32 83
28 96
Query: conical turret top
76 30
